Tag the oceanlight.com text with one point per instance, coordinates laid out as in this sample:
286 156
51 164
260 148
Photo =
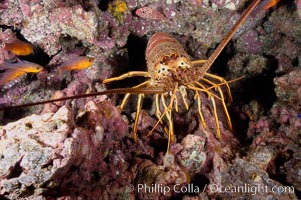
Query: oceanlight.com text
212 188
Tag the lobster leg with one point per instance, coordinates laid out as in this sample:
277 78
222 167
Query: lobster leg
225 108
139 106
212 97
221 80
167 112
127 75
203 89
198 99
197 62
127 95
183 93
125 100
215 85
218 130
176 104
158 114
222 99
170 122
171 135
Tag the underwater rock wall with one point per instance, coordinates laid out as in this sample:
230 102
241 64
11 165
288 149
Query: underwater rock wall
84 148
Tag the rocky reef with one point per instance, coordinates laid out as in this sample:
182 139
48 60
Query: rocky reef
84 148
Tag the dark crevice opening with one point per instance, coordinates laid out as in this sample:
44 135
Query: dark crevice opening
219 67
259 88
103 5
134 61
16 172
132 58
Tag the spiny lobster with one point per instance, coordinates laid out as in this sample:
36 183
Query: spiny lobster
171 72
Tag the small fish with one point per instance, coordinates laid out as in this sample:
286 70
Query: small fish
264 5
14 70
149 13
76 63
19 48
9 75
24 66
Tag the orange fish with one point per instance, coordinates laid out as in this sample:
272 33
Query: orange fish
14 70
76 63
264 5
149 13
19 48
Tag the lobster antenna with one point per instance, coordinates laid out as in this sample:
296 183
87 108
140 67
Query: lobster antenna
150 90
228 37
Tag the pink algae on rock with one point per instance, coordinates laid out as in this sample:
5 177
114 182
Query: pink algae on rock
50 152
84 148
